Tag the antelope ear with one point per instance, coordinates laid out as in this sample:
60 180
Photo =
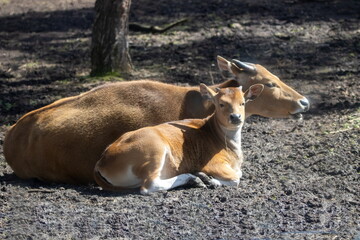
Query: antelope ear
253 92
227 66
206 92
223 64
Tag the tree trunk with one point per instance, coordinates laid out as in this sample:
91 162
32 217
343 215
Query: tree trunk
109 47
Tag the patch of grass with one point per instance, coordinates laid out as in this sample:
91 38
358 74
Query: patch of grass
34 102
112 76
30 65
86 78
273 197
4 1
350 122
65 81
6 105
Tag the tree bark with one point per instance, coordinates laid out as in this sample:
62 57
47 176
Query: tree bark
109 47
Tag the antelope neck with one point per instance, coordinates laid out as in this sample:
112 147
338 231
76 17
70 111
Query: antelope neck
231 137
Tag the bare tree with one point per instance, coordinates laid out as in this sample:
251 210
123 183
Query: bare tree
109 47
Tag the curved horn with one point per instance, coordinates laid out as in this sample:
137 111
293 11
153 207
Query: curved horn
246 66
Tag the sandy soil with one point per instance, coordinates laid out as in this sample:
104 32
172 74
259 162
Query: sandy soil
301 179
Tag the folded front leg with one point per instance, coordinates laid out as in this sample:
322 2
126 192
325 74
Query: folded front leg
170 183
220 182
222 174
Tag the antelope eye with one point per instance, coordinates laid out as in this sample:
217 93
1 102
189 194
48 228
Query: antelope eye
270 85
242 104
221 105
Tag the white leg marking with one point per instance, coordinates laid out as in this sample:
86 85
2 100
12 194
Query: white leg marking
159 184
239 173
219 182
167 184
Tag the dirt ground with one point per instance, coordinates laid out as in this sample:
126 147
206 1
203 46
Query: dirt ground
301 178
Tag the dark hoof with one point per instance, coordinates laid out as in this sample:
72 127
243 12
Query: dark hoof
206 180
196 182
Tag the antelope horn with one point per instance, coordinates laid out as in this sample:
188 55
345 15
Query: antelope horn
248 67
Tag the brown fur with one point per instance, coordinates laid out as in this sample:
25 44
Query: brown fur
63 141
193 145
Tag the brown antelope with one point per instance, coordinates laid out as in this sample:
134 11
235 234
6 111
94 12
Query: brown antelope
62 141
278 99
164 156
